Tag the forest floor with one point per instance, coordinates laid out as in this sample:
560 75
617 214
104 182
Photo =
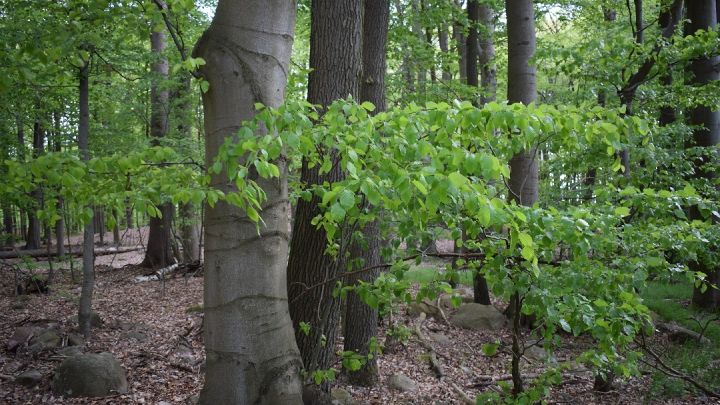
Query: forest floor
154 330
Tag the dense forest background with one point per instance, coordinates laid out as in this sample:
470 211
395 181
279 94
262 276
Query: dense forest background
345 201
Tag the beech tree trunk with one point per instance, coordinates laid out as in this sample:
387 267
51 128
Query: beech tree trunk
461 45
60 224
159 251
8 227
33 233
522 89
361 321
443 43
252 357
189 231
702 15
88 260
335 60
472 45
488 72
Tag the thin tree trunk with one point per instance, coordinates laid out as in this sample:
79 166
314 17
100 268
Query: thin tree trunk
486 59
116 228
159 251
189 231
461 45
472 45
405 66
252 357
8 225
336 62
34 231
361 320
443 42
702 15
88 261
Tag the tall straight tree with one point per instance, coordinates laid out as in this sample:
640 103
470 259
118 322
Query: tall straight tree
522 89
159 252
33 234
702 15
360 319
486 58
252 357
523 166
335 60
88 257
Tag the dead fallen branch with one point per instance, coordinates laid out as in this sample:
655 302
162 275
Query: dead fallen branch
435 364
14 254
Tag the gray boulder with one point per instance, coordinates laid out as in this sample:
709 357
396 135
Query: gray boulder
416 308
89 375
341 396
70 351
401 382
22 335
29 378
478 317
46 340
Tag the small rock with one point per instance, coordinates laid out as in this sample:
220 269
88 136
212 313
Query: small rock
44 341
89 375
29 378
401 382
341 396
439 338
539 354
416 308
163 403
70 351
18 305
478 317
22 335
75 340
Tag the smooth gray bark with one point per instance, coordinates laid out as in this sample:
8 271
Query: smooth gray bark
252 357
522 89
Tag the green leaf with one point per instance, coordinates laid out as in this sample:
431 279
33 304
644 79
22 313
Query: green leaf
457 179
337 212
490 349
420 187
565 325
368 106
622 211
347 199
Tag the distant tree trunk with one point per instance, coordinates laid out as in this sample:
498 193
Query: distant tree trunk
472 45
8 225
252 357
60 224
420 65
443 43
159 251
336 62
461 45
702 15
360 320
667 112
128 215
488 73
88 267
116 228
405 66
189 233
100 223
639 31
33 237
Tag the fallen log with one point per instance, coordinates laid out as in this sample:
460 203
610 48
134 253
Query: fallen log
14 254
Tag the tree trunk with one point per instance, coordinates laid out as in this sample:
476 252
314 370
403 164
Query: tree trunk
189 231
363 327
443 42
488 73
116 228
33 236
159 249
335 60
702 15
522 89
460 44
472 45
252 357
8 228
60 224
405 66
88 261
